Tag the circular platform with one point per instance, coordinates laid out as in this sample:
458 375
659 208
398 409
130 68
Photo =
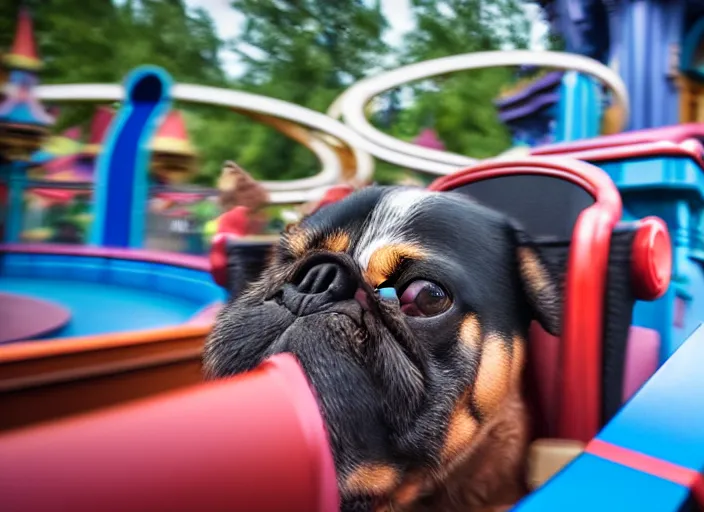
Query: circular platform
23 317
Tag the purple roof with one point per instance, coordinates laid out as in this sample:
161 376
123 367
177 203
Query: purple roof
21 105
542 85
525 109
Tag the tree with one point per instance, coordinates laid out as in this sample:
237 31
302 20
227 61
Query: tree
100 42
305 52
460 107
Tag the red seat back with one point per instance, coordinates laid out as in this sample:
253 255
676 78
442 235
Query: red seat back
572 200
572 210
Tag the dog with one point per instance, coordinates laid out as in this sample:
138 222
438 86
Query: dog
409 311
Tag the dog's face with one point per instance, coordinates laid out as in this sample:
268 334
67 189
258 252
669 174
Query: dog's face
405 383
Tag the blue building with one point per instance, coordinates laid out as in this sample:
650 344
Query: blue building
655 45
24 123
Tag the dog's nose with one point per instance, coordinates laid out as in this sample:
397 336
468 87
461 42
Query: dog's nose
322 283
327 278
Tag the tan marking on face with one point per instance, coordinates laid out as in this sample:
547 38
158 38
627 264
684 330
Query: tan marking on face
534 273
471 332
461 430
494 376
297 241
339 241
385 261
410 490
518 359
374 479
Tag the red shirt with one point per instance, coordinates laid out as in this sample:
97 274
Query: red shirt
235 221
334 194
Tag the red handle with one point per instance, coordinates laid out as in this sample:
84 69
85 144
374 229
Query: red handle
254 443
218 259
651 265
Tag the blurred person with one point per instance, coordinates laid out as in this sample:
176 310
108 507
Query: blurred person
242 200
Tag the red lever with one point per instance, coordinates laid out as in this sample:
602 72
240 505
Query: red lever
254 443
651 266
218 259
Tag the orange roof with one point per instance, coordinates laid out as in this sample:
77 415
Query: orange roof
23 54
172 136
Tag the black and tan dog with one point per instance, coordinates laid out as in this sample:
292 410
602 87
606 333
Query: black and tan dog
420 391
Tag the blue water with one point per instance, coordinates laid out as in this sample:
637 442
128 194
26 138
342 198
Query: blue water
99 308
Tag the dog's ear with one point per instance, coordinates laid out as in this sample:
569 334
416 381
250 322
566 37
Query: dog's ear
540 286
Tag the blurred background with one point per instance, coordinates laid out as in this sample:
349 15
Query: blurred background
123 230
304 52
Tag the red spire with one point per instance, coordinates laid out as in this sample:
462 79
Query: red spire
98 126
172 136
429 139
24 52
73 133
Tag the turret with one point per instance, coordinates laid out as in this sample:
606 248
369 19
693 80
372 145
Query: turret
24 121
173 156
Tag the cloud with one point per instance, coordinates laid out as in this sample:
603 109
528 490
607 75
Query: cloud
400 17
228 24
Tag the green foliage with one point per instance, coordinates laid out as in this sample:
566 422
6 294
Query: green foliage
303 51
460 107
100 42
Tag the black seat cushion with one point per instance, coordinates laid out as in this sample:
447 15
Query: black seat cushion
246 259
545 206
618 317
618 309
548 207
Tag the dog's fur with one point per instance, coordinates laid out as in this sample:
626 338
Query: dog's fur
423 413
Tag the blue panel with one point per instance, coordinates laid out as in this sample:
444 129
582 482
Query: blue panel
197 285
671 188
579 108
86 268
15 202
134 274
647 32
51 266
17 264
208 292
121 179
121 186
592 484
171 283
666 418
110 295
660 172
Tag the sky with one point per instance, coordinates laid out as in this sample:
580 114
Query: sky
228 23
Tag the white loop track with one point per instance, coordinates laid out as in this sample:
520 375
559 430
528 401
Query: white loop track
293 191
363 139
350 105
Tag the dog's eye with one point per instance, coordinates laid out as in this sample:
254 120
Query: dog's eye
424 298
